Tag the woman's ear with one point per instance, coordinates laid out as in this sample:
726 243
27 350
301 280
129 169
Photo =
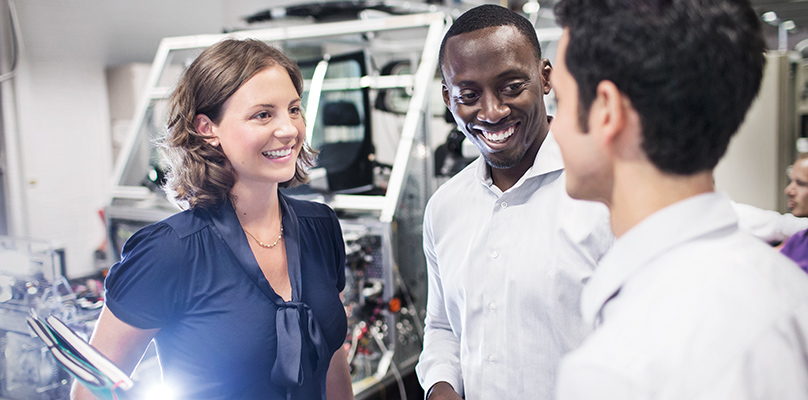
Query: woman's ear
204 126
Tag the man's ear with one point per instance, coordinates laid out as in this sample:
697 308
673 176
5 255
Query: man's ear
204 126
609 111
546 70
445 92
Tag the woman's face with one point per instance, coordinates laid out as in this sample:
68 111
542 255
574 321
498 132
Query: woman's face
262 128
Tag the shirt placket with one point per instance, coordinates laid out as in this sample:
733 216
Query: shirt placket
494 297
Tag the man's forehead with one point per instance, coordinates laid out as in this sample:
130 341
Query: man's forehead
492 37
799 169
479 53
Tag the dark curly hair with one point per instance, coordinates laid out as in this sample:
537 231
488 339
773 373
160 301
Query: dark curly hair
200 175
691 69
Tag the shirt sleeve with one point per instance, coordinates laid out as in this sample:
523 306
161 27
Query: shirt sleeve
768 225
142 289
440 357
339 246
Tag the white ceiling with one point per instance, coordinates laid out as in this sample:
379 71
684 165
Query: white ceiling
121 31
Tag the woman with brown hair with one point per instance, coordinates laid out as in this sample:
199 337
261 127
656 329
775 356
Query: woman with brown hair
241 292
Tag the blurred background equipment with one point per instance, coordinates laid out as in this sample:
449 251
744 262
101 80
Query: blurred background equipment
31 277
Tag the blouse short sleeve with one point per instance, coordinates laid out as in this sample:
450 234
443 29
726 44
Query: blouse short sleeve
142 289
339 246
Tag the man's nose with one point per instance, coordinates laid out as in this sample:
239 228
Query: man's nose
492 109
790 189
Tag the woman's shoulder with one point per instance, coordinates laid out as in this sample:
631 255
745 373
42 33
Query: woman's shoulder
186 222
170 230
308 208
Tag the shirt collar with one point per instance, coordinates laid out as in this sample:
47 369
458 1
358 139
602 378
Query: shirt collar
663 230
547 160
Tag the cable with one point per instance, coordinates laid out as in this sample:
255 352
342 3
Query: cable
374 331
412 309
15 36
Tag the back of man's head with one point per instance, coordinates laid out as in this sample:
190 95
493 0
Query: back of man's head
691 69
486 16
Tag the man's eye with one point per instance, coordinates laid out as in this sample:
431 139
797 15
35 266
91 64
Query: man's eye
467 97
514 87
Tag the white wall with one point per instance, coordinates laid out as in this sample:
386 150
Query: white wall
753 170
62 108
64 131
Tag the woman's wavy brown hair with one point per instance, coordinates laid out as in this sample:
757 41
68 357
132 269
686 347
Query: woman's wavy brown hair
199 174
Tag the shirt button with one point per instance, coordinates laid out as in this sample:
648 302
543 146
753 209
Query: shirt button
491 358
491 306
504 204
495 254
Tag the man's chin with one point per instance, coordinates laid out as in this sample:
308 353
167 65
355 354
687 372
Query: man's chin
499 163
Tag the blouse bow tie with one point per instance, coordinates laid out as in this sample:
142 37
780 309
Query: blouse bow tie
288 368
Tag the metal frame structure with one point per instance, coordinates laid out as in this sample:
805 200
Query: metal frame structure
419 82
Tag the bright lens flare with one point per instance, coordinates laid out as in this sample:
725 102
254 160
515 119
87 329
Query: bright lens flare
160 392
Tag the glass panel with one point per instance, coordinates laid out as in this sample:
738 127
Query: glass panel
176 62
143 160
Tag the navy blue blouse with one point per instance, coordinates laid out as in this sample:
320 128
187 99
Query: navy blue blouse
224 333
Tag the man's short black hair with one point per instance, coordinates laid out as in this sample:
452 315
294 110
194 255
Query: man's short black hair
486 16
691 69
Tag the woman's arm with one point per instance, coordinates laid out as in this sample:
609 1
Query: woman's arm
338 379
122 343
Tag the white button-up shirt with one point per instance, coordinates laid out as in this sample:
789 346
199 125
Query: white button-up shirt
689 306
505 277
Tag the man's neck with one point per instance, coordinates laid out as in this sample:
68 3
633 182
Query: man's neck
504 179
641 190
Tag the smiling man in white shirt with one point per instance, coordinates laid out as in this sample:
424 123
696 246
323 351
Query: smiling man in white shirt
507 249
686 305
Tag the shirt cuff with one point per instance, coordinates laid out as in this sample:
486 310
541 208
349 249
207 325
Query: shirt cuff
444 374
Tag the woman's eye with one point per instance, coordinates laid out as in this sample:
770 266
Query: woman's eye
294 110
262 115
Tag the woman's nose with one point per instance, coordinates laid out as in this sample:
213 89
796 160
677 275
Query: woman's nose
286 126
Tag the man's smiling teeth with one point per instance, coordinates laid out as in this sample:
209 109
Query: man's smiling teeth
498 137
278 153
